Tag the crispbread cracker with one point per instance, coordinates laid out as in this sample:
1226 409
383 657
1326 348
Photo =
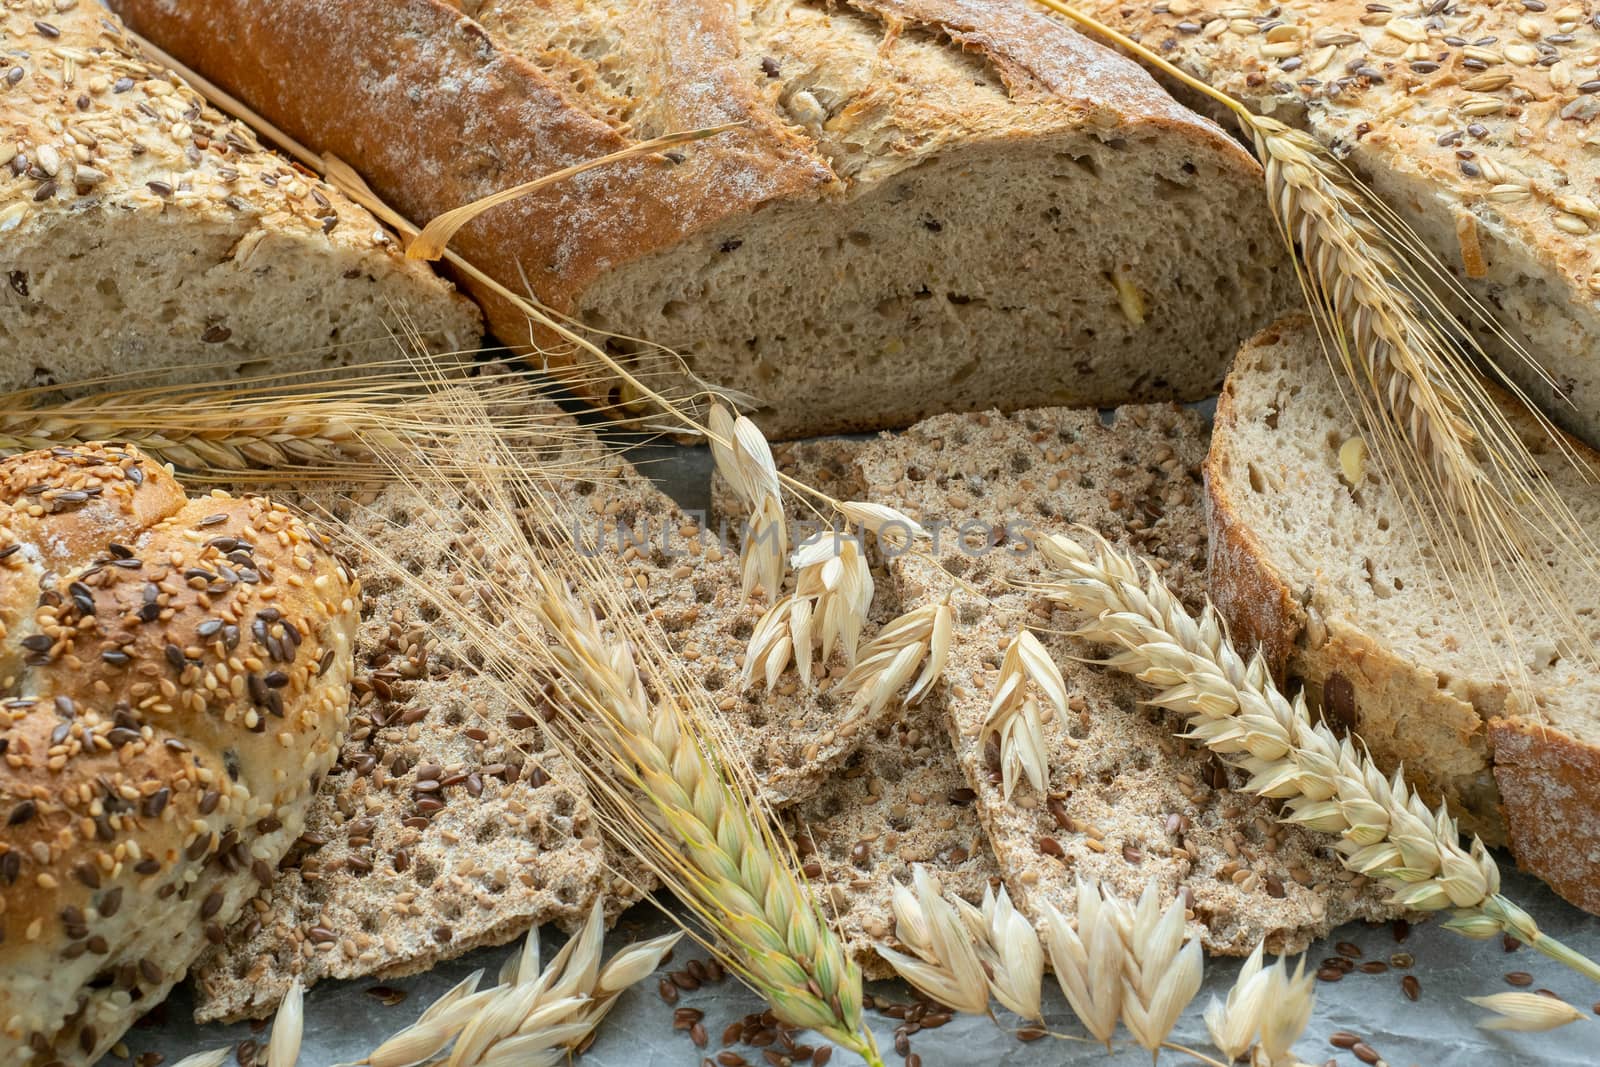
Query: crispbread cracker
1128 801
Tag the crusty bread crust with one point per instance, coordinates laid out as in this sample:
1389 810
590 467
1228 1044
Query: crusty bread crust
437 110
178 684
1508 777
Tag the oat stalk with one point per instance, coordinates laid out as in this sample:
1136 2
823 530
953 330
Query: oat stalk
1015 719
535 1016
641 732
1232 705
1525 1012
1266 1011
886 663
744 459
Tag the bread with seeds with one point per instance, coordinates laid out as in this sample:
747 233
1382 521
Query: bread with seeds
1126 800
174 683
1477 120
141 230
1313 557
930 205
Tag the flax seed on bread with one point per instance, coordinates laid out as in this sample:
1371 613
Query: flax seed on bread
1127 800
447 824
1319 561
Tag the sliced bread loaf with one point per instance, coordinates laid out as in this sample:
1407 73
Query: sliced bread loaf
142 230
931 204
1126 800
1315 556
1475 119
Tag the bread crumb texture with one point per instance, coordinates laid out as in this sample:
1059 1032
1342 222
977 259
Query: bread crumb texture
140 229
1337 583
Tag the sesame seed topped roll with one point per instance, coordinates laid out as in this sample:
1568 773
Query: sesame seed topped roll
174 681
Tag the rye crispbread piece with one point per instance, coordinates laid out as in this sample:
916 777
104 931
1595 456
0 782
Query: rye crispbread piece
1127 800
381 886
525 849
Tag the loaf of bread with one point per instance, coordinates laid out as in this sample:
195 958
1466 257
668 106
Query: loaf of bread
1476 120
932 205
142 230
174 682
1315 557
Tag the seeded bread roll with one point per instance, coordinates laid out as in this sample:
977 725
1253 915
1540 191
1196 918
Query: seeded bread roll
1475 119
176 680
930 205
1315 556
142 230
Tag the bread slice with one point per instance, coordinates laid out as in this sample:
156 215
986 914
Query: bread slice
1434 107
1127 800
1321 566
142 230
930 204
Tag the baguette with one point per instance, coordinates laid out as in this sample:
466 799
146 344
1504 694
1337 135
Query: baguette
930 205
140 230
174 683
1313 559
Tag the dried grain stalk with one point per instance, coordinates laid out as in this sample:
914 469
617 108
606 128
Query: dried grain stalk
1232 706
1383 305
278 426
619 708
535 1016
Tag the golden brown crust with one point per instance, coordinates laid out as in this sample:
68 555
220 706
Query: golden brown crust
437 110
182 683
1550 794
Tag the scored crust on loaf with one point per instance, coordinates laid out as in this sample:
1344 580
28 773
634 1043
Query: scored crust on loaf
141 229
1128 801
176 681
1330 579
1477 122
912 181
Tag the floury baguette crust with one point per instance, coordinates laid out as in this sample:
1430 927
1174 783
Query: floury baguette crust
929 205
142 231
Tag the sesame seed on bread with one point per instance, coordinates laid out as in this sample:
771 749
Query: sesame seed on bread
140 229
175 685
1127 800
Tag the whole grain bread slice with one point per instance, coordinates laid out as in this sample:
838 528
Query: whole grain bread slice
140 229
1127 801
1317 556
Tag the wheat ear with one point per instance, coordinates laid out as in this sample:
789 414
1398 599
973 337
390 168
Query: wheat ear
274 426
1373 289
642 733
1232 705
